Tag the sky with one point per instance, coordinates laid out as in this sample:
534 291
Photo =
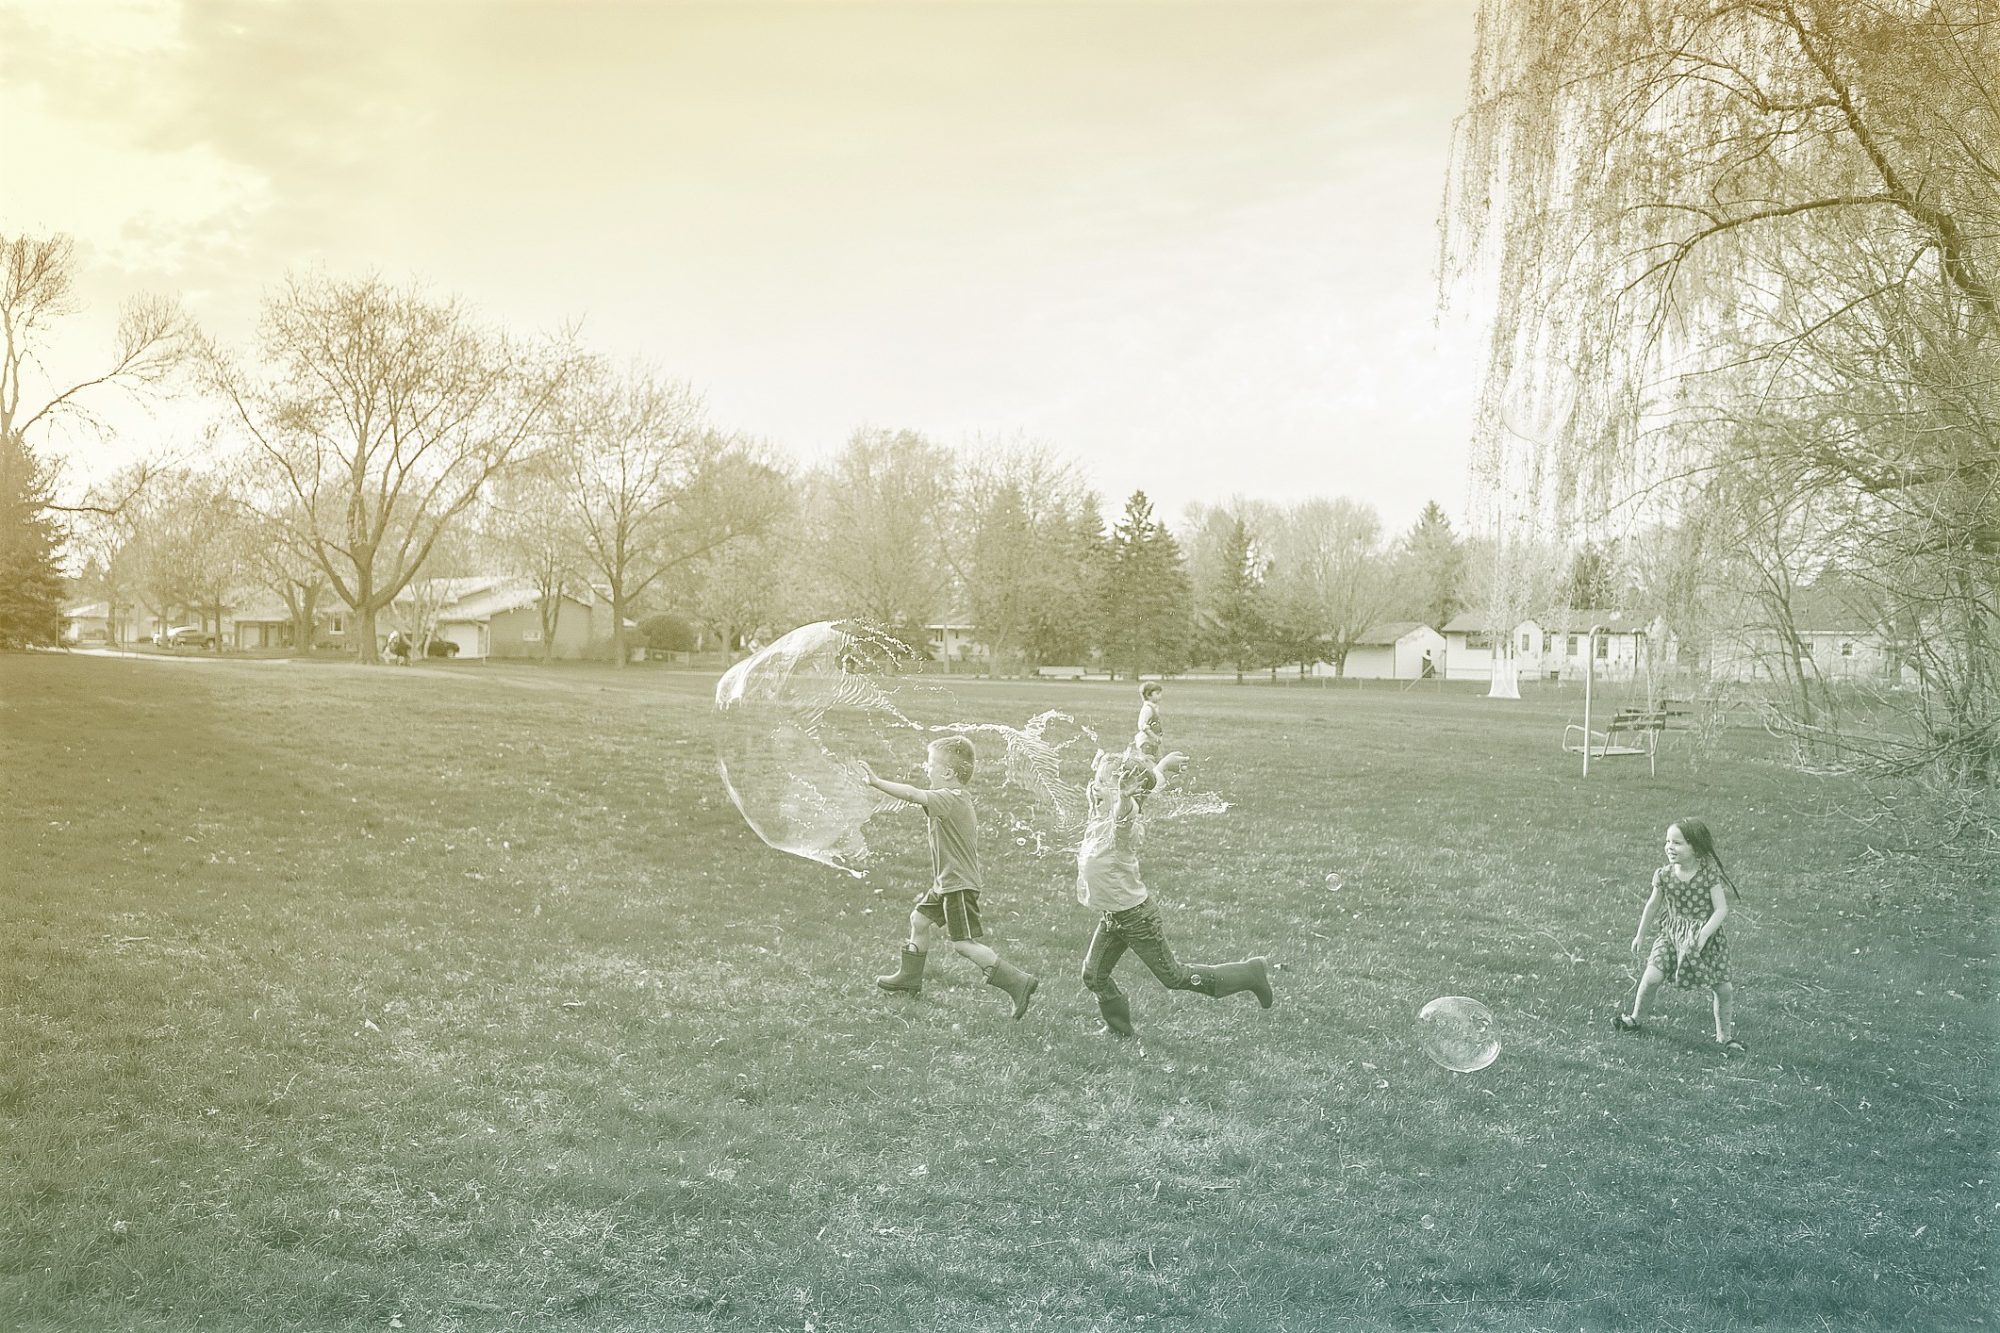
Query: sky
1191 248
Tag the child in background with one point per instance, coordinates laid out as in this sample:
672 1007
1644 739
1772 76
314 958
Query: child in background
1107 879
1151 739
1689 901
952 901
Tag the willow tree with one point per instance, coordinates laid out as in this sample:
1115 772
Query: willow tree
1753 239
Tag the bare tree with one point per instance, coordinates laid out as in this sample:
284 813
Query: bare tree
38 291
652 487
382 414
1329 571
876 537
532 527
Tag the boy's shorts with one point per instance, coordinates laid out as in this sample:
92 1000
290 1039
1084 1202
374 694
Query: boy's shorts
957 912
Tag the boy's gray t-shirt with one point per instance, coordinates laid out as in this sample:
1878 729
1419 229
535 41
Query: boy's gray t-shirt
953 825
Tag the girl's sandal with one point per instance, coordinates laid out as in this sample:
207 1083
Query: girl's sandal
1620 1023
1732 1047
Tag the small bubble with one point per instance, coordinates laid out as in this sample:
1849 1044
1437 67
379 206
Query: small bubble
1334 883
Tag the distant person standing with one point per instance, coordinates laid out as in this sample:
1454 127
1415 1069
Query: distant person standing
398 648
1152 736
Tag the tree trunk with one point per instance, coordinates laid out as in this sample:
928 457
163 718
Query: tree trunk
620 656
364 634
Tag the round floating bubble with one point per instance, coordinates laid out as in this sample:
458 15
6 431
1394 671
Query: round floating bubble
1334 883
798 718
1458 1033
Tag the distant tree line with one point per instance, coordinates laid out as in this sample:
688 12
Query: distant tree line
375 439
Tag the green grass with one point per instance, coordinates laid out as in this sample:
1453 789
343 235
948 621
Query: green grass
460 998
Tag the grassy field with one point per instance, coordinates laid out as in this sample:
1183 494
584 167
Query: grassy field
459 997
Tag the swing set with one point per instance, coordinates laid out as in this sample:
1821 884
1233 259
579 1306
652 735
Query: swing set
1629 732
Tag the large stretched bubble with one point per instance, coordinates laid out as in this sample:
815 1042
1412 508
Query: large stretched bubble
799 718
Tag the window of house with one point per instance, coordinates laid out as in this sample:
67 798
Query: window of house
1479 639
1604 648
1527 640
1572 645
531 635
1548 644
1847 647
340 624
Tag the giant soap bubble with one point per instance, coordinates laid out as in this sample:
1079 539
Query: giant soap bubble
797 719
1458 1033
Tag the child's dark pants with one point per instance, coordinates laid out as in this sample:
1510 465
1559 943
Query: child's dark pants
1139 930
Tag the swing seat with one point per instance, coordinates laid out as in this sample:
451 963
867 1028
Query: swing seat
1631 731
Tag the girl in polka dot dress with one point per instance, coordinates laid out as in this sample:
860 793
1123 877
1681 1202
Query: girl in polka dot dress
1689 903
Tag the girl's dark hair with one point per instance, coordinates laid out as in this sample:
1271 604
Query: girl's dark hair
1703 842
1150 688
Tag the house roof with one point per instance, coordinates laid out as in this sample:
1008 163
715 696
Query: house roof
266 606
1567 621
1473 622
1832 608
87 611
484 596
1390 631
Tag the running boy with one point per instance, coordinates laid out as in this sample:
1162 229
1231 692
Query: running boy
1107 879
952 901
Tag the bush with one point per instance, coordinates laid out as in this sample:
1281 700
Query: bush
667 634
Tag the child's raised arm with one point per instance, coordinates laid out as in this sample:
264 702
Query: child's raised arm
902 791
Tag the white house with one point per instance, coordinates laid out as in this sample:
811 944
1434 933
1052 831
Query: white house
1629 644
495 615
1470 639
1554 646
1394 650
1838 633
952 641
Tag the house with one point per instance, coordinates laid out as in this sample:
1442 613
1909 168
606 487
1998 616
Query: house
1838 635
1471 639
500 616
90 623
951 640
1628 645
1394 650
259 620
1553 646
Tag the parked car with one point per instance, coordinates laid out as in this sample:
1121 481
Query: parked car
186 636
442 648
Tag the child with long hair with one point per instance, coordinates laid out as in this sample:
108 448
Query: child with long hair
1689 903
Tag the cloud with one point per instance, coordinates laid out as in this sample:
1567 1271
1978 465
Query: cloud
85 89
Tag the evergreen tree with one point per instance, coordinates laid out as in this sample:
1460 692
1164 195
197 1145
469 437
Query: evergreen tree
1148 607
1592 578
1064 621
1433 569
31 584
1237 621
